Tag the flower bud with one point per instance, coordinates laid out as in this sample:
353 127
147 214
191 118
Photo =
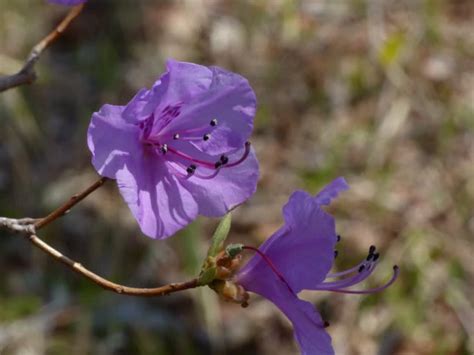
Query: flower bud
231 292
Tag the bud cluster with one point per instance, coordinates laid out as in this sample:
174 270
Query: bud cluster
226 265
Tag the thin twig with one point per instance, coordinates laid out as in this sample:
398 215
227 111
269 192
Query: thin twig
27 74
23 225
109 285
28 227
61 211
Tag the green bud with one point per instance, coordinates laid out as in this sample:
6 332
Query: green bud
234 249
220 235
207 276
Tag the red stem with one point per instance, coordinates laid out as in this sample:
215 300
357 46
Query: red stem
270 263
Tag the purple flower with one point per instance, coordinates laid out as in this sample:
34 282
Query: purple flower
67 2
298 257
179 149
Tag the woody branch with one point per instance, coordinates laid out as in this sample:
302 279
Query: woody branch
27 74
28 227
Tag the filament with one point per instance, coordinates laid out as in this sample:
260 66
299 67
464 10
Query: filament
270 264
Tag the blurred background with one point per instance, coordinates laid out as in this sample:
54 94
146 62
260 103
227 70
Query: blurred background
381 92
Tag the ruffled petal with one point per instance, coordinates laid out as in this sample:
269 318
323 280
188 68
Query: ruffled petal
185 81
307 323
159 202
136 110
228 189
229 99
303 249
179 83
331 191
112 140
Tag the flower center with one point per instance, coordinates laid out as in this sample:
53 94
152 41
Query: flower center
179 149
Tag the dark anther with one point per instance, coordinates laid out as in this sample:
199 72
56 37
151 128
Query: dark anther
369 257
372 249
213 122
376 256
335 253
176 136
218 164
326 324
338 238
164 148
395 267
206 137
191 169
224 159
361 268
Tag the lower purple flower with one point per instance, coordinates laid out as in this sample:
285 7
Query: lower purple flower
179 149
299 257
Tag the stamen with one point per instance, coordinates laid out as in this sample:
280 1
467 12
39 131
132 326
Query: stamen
196 131
396 272
335 254
176 171
338 238
187 157
270 263
372 253
192 139
244 156
191 169
345 272
347 282
206 137
213 175
369 258
224 159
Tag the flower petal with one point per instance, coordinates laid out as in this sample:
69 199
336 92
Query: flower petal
186 80
156 198
137 109
229 99
331 191
307 323
112 140
229 188
303 249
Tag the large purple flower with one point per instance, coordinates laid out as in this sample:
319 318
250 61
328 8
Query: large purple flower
179 149
298 257
67 2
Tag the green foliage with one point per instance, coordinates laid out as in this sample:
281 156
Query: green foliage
220 235
208 270
18 307
392 49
